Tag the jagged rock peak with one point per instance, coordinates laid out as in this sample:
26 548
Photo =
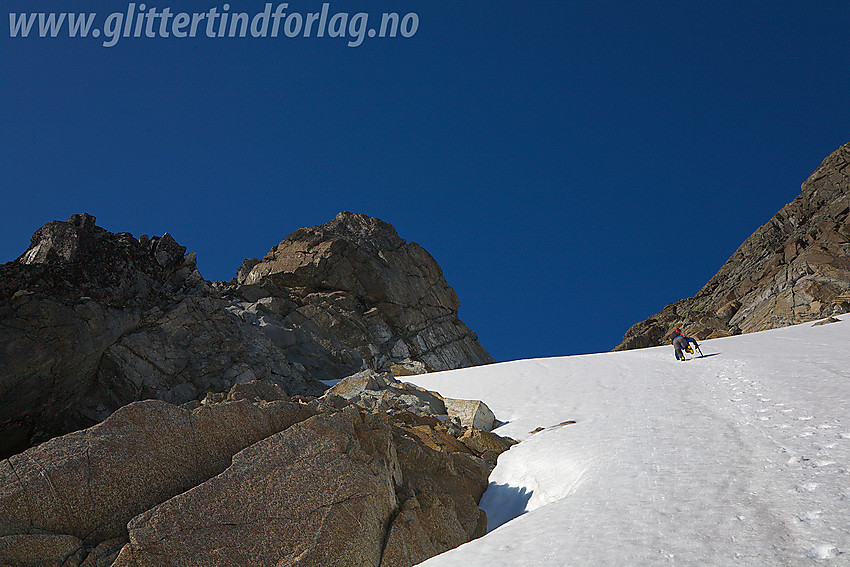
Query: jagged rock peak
59 242
71 259
367 231
384 301
370 233
339 253
793 269
78 240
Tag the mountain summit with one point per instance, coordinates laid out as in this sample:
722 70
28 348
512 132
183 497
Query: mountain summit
794 269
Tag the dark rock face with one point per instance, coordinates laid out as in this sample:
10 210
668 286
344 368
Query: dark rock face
794 269
91 321
249 478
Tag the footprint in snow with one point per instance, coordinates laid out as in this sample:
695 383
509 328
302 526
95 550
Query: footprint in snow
825 551
809 516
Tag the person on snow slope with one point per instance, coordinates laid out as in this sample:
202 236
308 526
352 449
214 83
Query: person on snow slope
682 344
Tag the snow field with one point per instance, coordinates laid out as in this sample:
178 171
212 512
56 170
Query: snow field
738 458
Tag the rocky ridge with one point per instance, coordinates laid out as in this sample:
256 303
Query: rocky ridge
92 320
794 269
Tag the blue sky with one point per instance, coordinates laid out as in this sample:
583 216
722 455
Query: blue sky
572 166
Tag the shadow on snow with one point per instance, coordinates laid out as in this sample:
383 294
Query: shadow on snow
503 503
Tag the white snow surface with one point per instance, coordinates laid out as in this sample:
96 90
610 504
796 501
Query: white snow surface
739 458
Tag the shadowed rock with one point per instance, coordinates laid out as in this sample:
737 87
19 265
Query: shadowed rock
105 553
92 320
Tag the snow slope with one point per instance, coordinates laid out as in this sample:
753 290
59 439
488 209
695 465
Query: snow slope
739 458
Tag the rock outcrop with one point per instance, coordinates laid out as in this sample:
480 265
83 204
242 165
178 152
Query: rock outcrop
249 478
319 493
90 483
351 294
794 269
91 321
374 390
